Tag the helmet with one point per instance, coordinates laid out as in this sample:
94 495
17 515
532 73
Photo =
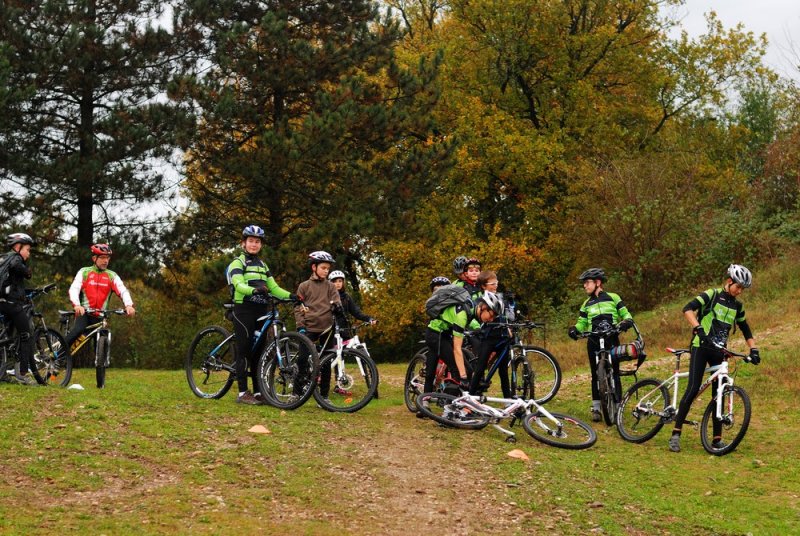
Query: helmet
19 238
459 264
253 230
741 275
336 274
101 249
317 257
493 301
593 273
439 281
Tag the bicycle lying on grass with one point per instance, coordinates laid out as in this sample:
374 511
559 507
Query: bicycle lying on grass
472 412
646 406
97 331
211 361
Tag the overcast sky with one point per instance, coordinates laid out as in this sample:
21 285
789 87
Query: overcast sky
779 19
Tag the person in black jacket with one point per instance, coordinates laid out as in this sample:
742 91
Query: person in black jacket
348 304
12 300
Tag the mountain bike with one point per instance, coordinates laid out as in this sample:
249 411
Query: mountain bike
609 383
97 331
50 363
647 407
472 412
211 360
353 373
414 383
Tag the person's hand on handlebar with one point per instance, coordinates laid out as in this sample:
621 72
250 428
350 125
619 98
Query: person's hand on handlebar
79 310
129 310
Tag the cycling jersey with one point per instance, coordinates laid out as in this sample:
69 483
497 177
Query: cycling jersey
724 312
454 319
605 307
247 273
92 288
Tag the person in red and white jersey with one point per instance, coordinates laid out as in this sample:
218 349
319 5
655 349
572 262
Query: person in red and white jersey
91 289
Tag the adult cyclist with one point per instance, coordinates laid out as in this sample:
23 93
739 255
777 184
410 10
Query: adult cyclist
12 299
92 288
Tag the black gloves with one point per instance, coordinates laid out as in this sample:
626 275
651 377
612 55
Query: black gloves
261 291
625 325
295 298
573 333
755 357
701 333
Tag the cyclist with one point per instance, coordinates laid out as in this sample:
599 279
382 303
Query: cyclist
250 281
348 304
467 271
12 300
315 318
600 309
723 312
91 289
438 282
445 335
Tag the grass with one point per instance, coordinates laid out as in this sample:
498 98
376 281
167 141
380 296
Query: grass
144 456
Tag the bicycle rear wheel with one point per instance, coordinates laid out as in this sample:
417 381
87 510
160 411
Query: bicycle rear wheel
211 362
564 432
608 406
353 381
535 374
287 370
641 413
415 380
734 423
52 362
445 409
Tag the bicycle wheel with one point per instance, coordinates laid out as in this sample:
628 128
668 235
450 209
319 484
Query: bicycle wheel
52 362
445 409
353 381
564 432
211 362
642 411
415 379
608 405
285 379
535 374
735 421
3 361
101 359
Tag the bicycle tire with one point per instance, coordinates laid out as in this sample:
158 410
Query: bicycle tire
415 379
728 420
440 408
607 406
574 434
52 362
279 385
211 363
349 390
637 420
101 356
536 374
3 361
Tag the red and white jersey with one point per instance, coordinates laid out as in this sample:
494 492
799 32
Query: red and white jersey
92 288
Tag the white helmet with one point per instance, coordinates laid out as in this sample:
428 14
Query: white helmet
741 275
492 301
336 274
317 257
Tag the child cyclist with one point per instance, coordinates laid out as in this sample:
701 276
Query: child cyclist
722 313
349 306
467 270
438 282
600 308
250 281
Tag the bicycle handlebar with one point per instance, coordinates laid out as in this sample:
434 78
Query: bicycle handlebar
610 332
31 293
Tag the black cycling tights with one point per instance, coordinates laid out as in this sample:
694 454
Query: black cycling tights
440 346
701 358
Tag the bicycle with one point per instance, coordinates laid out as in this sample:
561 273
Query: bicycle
608 383
102 339
211 360
646 406
415 376
471 412
354 373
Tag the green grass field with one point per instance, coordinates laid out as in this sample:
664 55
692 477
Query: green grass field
144 456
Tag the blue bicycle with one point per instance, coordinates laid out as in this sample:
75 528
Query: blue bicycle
286 380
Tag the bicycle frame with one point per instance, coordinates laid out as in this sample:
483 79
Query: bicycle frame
513 406
337 363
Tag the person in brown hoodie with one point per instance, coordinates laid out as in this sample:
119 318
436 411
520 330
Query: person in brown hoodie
314 317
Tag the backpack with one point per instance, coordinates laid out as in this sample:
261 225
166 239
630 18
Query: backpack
448 296
5 265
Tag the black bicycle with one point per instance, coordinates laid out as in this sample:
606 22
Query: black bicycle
98 332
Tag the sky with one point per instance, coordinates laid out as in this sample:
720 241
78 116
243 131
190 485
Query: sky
779 19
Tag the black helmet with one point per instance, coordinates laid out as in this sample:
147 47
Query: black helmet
19 238
439 281
593 273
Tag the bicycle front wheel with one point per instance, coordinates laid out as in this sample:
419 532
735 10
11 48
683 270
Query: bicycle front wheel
415 379
733 424
52 362
287 370
535 374
211 362
608 406
561 431
445 409
352 381
101 359
642 411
